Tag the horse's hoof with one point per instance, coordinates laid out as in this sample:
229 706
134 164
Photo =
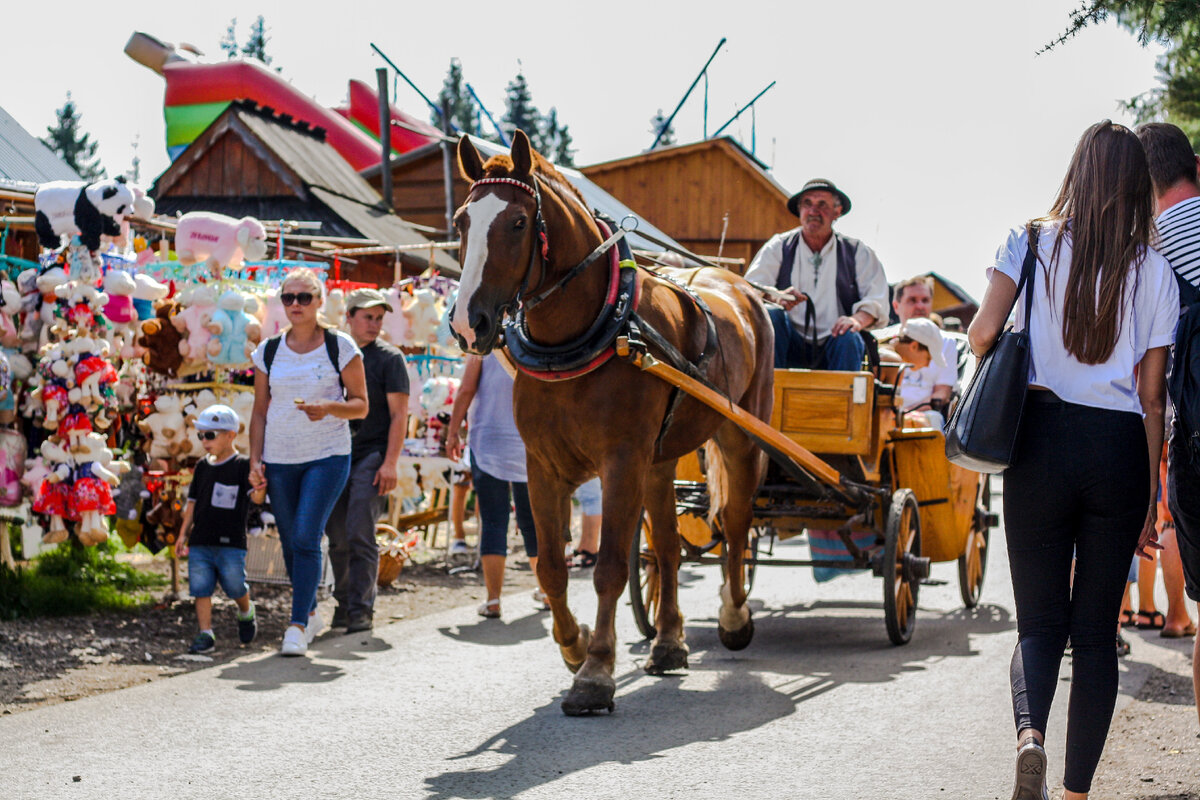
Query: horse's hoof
582 643
590 695
739 639
667 658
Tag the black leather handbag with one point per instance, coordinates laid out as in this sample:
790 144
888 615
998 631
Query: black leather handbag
982 432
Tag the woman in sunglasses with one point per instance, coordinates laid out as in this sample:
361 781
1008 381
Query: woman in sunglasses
308 383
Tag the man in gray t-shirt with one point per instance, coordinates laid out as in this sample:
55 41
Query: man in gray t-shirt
376 444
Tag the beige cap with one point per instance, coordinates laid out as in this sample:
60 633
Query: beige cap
924 331
366 298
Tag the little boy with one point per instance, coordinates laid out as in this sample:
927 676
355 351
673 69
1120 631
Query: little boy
921 345
214 523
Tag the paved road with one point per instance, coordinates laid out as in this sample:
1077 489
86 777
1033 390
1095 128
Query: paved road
449 706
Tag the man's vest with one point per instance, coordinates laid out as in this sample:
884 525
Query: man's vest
847 276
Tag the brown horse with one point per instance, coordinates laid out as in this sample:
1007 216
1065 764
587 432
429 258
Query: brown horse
608 419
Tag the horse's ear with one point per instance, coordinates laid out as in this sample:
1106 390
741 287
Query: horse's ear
469 162
522 153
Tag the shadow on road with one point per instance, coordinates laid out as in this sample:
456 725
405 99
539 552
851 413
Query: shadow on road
547 746
500 631
274 672
348 647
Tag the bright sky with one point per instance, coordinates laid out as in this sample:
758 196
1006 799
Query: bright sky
934 116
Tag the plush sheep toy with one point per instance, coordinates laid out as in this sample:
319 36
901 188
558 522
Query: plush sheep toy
235 333
66 208
224 242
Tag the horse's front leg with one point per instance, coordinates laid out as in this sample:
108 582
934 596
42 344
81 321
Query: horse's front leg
550 499
738 461
594 686
668 651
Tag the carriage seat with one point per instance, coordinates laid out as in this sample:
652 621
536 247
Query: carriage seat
826 412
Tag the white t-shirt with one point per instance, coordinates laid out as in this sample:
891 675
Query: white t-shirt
291 437
1148 319
943 376
916 387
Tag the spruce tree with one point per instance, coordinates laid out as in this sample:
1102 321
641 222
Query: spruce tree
656 124
520 112
71 144
556 140
256 45
228 43
454 95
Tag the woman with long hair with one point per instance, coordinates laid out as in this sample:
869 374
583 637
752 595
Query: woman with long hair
308 383
1084 482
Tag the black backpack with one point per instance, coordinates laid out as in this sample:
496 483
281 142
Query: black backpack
1183 380
331 350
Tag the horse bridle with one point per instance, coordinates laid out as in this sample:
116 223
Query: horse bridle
520 300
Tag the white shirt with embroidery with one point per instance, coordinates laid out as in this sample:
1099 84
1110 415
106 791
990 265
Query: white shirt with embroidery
291 437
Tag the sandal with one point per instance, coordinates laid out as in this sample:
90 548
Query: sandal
1155 620
582 559
1128 618
1122 646
539 600
1188 630
490 609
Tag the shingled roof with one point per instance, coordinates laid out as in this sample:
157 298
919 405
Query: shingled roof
26 159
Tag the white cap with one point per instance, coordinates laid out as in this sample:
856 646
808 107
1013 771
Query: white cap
924 331
218 418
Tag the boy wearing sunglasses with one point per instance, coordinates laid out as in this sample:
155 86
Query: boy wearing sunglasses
213 535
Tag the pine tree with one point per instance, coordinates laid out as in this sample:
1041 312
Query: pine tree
520 112
71 144
228 43
454 95
256 45
656 124
556 140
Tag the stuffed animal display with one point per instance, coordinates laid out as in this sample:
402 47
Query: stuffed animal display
220 241
75 208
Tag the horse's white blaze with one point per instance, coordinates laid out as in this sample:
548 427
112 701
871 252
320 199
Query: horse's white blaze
481 214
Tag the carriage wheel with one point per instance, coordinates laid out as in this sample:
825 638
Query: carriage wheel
972 564
902 541
643 581
750 570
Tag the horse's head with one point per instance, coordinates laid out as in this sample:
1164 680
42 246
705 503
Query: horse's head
497 228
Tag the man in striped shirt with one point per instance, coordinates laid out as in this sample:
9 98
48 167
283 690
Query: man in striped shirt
1173 170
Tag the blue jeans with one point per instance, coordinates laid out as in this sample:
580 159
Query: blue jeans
589 497
493 501
302 497
207 565
793 349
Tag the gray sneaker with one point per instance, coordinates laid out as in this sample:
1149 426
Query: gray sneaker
1031 772
359 622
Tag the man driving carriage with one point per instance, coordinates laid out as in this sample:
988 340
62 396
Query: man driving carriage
830 286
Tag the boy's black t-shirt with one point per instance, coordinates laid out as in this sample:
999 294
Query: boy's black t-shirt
222 495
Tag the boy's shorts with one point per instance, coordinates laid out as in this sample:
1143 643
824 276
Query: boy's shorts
588 496
207 565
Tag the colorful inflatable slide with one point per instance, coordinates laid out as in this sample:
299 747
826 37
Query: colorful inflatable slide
197 93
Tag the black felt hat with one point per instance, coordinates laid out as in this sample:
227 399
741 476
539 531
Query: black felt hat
793 202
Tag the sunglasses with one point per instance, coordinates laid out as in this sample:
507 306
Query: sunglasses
905 340
207 436
303 298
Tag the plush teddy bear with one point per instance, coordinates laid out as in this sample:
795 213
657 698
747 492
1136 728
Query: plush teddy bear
165 426
423 317
235 332
334 309
161 340
222 242
199 304
120 313
54 494
242 404
66 208
189 446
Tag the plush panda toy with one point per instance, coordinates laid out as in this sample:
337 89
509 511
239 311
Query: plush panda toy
65 208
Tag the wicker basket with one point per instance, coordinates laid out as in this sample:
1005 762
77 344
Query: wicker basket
393 552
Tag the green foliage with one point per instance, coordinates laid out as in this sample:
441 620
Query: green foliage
228 43
556 140
1149 20
73 579
71 144
464 113
656 124
519 110
255 46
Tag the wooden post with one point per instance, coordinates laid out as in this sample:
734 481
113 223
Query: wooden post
385 136
447 167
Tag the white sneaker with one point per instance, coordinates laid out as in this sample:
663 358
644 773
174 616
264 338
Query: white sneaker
459 547
294 643
314 627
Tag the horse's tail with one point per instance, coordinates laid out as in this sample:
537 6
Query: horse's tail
717 475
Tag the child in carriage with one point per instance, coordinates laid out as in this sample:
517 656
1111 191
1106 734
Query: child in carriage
920 344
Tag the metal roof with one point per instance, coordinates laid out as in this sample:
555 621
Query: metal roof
23 157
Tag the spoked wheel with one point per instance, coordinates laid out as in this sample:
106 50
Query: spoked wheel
644 584
972 564
751 569
902 569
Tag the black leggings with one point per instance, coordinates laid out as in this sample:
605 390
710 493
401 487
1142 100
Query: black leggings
1080 487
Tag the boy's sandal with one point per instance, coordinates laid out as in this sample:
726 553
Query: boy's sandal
490 609
1122 646
1153 620
1128 617
583 559
1188 630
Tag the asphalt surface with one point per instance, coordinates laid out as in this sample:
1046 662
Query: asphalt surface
452 706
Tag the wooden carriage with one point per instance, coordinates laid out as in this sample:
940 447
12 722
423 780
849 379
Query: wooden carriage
879 482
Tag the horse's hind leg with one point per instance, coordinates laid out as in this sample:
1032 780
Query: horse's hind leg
736 463
594 686
668 651
550 499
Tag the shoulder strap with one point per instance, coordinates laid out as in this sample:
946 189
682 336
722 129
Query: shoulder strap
270 350
1188 294
1027 274
847 274
331 350
790 244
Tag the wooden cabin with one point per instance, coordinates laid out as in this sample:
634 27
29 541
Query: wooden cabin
252 162
700 193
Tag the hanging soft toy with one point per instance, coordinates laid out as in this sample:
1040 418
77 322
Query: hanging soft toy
161 340
91 492
93 371
235 332
120 313
164 426
274 315
199 304
146 292
82 304
423 318
74 426
220 241
54 495
243 405
66 208
333 312
48 308
189 445
395 328
58 378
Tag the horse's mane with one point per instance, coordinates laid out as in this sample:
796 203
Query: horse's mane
501 166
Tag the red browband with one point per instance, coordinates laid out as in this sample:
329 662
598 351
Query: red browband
508 181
